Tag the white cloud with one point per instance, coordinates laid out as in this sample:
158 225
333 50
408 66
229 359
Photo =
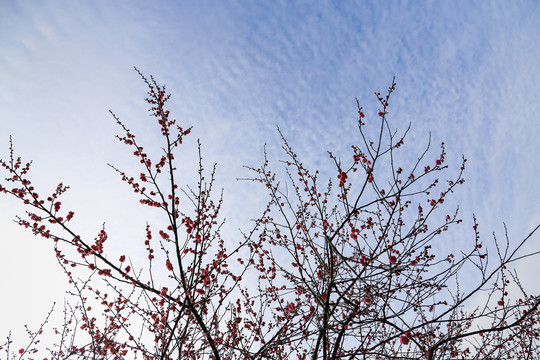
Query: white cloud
466 72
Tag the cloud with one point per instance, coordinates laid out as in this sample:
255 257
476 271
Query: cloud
466 73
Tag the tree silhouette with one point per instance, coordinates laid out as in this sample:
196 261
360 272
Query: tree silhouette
335 269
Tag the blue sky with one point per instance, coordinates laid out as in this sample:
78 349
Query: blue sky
467 72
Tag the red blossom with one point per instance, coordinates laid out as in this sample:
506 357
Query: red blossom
404 340
342 178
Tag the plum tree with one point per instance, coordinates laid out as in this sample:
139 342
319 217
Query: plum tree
343 268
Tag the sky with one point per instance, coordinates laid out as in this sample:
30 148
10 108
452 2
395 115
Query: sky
467 73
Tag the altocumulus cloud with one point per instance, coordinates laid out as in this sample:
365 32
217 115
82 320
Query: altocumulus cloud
466 72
